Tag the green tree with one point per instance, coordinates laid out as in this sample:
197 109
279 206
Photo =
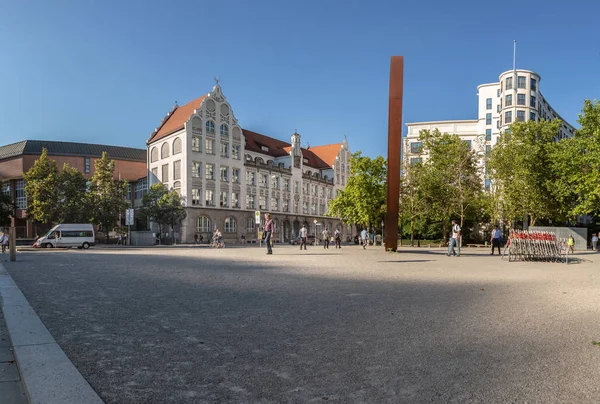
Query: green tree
521 169
576 166
413 204
72 190
363 200
41 190
451 178
163 207
6 208
106 196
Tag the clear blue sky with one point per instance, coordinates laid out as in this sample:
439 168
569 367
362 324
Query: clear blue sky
108 71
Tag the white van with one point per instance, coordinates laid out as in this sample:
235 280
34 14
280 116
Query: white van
68 235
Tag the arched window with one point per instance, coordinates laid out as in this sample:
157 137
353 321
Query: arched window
230 225
224 130
210 127
164 150
203 224
250 225
154 154
177 187
177 146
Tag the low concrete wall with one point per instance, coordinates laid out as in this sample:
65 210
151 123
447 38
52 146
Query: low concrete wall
579 234
142 238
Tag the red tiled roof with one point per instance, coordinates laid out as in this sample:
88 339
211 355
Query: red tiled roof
255 141
327 153
177 119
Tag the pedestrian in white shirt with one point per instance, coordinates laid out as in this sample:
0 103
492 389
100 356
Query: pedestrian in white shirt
454 239
303 236
496 237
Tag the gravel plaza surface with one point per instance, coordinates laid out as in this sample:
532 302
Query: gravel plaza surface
198 325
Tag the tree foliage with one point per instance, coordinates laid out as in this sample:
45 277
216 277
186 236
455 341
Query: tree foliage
163 207
6 208
414 206
521 165
363 200
41 190
72 192
106 195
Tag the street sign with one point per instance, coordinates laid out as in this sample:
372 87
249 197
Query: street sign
257 216
315 221
129 217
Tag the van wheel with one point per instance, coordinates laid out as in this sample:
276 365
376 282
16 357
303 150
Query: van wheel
85 246
48 245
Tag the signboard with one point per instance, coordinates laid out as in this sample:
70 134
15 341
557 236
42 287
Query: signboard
129 217
257 217
315 221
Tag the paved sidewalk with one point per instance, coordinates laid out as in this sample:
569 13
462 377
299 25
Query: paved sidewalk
11 387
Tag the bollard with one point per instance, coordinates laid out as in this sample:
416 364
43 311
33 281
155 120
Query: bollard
13 245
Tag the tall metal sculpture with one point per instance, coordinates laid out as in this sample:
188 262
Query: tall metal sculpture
394 151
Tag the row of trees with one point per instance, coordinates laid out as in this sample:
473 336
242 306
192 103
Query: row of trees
534 175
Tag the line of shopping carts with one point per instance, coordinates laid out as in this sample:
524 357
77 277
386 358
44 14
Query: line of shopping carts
526 245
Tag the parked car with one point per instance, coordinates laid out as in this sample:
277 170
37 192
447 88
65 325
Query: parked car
68 235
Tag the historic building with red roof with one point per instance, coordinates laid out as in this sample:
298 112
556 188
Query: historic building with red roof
225 173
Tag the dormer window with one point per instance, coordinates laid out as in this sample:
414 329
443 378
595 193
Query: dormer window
264 148
305 161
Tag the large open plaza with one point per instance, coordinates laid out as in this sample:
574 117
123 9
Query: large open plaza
233 325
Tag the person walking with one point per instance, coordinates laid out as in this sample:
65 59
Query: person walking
337 236
196 238
4 241
496 237
326 237
364 236
571 244
268 233
454 239
303 235
594 242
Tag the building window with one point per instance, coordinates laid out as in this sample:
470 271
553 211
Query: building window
230 225
415 147
154 172
532 116
275 182
203 225
223 199
177 170
235 200
415 160
224 149
262 202
263 179
488 184
509 83
468 143
196 169
177 146
488 150
313 208
521 82
306 208
210 127
225 174
498 108
224 129
488 103
195 196
533 85
196 143
532 101
154 154
315 190
286 205
488 119
521 116
250 225
508 100
87 165
177 187
520 99
296 187
507 117
250 178
235 175
209 171
235 151
322 192
141 188
322 209
264 148
286 184
274 204
250 202
498 93
164 150
20 198
209 197
209 146
488 135
305 189
165 173
305 161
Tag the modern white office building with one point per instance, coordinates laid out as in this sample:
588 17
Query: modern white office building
515 97
225 173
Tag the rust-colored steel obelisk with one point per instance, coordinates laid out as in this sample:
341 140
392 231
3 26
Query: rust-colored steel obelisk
394 152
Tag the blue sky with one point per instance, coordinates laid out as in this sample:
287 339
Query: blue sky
108 71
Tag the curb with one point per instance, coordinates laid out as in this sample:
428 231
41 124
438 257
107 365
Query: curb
47 373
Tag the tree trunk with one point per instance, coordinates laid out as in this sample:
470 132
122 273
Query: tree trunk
412 237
